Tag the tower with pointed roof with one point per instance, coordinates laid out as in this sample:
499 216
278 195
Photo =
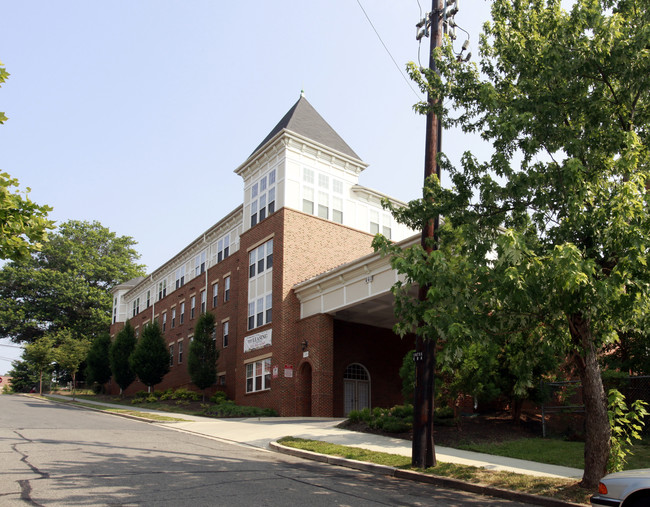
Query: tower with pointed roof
303 216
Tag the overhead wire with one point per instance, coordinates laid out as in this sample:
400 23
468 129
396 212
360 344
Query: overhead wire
388 51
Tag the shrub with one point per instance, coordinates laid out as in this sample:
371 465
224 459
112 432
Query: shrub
185 394
393 425
218 397
354 416
166 394
229 409
445 412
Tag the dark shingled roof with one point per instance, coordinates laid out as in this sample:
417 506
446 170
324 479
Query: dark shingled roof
303 119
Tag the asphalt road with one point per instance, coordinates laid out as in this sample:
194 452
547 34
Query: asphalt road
52 454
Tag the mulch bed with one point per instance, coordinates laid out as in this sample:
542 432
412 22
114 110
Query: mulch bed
496 427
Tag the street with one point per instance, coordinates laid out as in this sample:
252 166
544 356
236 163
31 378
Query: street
54 454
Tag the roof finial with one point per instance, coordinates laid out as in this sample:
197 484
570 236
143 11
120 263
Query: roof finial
302 93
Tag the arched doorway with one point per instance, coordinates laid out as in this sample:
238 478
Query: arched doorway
356 388
304 393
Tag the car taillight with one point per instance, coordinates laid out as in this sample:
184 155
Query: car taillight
602 489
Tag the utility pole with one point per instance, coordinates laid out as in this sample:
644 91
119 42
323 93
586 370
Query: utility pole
423 452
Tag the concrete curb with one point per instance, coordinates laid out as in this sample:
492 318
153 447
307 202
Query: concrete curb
435 480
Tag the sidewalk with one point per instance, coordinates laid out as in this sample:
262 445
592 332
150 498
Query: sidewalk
260 432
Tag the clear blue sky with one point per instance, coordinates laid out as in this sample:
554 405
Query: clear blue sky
135 113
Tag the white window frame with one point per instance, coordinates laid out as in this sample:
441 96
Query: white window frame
226 288
263 197
258 376
225 334
199 264
215 295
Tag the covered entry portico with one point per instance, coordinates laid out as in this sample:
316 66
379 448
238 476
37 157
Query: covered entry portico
365 354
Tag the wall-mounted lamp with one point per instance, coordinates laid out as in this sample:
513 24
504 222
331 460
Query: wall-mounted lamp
304 345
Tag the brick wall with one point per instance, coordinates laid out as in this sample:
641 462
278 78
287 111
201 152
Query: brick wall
178 375
381 352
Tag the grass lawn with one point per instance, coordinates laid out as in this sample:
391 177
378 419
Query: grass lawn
555 451
144 415
564 489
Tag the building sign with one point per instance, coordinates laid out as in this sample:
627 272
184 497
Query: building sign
288 370
258 341
276 372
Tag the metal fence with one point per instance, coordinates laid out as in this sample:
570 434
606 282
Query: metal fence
563 410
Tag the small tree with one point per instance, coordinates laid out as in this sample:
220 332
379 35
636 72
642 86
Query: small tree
70 354
98 365
202 362
24 376
40 354
119 354
150 359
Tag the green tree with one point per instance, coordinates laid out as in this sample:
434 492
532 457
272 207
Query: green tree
24 376
98 364
119 354
203 354
65 286
23 223
70 354
150 359
41 355
550 235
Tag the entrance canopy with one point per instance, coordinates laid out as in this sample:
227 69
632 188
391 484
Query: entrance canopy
359 291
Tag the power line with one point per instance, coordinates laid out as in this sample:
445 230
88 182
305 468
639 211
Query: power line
388 51
9 345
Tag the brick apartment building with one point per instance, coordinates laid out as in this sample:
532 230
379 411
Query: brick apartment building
302 304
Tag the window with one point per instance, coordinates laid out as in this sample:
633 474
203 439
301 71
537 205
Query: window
164 321
215 295
148 298
136 306
323 181
260 311
203 302
258 376
115 314
182 312
223 248
192 306
221 380
226 332
308 200
199 264
173 318
180 352
337 210
171 355
308 176
262 198
324 200
162 289
226 289
180 277
323 204
374 222
260 261
386 231
253 213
